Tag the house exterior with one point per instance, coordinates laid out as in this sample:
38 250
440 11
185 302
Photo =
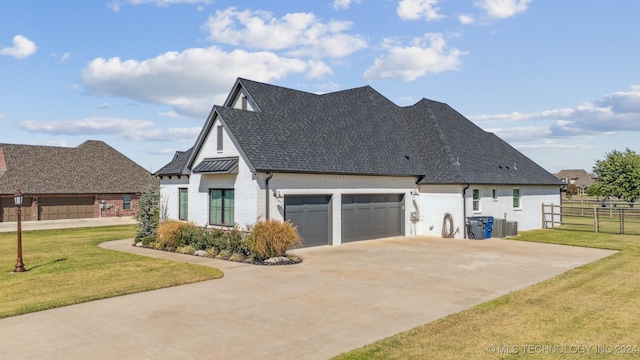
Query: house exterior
89 181
577 177
348 166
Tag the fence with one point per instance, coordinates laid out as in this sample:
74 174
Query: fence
604 217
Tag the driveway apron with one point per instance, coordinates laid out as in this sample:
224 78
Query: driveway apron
340 298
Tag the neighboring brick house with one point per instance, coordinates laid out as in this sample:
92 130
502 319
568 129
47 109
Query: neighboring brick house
89 181
348 166
577 177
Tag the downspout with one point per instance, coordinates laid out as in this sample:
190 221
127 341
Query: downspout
464 209
266 188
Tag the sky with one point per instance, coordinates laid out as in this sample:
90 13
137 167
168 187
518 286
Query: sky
557 80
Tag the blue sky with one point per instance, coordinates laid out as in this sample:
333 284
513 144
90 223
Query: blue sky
558 80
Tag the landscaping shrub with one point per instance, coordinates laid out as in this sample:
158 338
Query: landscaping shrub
169 235
273 238
147 240
148 215
237 242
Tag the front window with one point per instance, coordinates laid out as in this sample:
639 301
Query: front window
476 199
126 202
516 198
221 204
183 212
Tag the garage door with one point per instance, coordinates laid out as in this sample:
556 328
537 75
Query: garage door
66 208
10 211
311 215
372 216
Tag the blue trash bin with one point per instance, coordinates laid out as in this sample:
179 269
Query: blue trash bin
488 226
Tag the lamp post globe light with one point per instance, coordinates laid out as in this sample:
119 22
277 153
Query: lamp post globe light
17 198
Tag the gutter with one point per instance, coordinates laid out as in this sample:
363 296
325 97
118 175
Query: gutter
464 209
266 189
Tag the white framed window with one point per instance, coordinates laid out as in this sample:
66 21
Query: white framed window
494 194
516 199
476 199
126 202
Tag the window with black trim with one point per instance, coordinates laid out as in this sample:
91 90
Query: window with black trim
494 194
221 207
183 203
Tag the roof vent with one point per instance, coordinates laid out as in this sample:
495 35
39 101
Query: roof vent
406 157
457 161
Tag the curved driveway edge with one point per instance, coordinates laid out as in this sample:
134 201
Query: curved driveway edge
338 299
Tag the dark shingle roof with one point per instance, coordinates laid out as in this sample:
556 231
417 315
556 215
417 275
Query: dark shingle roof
177 165
359 131
91 168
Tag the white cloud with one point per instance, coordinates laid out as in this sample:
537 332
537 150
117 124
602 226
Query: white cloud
115 4
521 133
22 48
56 142
170 114
418 9
554 146
426 55
134 130
343 4
466 19
190 81
298 34
618 111
171 134
502 9
88 126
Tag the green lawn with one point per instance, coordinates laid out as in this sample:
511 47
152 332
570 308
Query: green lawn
67 267
593 310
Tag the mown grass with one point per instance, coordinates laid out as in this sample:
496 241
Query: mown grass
593 306
67 267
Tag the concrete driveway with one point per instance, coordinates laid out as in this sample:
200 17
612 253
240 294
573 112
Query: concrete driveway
338 299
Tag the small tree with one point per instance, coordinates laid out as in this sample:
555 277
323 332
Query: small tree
618 175
148 214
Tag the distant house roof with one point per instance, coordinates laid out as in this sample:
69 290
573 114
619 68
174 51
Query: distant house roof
91 168
359 131
578 177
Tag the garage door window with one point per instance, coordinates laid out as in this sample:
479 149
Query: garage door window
221 203
126 202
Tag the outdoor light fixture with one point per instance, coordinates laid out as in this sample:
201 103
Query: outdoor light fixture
18 198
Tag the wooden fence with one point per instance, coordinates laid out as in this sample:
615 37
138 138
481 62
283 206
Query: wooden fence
609 218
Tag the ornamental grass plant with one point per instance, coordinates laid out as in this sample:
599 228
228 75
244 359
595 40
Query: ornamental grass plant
272 238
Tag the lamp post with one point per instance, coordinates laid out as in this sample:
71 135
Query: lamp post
17 198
